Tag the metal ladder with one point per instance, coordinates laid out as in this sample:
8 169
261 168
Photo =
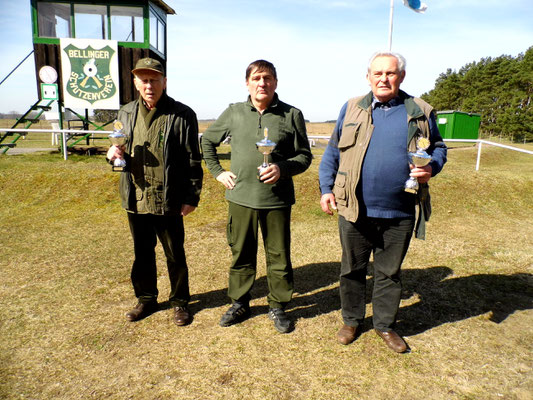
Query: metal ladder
30 117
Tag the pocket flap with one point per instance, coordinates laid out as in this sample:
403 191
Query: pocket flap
349 135
340 179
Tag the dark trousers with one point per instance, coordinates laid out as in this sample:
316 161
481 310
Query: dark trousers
145 229
388 240
242 233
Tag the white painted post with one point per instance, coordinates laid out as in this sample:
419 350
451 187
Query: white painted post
54 135
479 144
64 143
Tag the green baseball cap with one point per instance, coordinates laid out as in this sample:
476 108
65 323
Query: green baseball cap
149 64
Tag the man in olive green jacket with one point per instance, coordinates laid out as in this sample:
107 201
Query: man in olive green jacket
160 185
263 200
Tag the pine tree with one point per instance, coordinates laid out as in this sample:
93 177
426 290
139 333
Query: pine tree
500 89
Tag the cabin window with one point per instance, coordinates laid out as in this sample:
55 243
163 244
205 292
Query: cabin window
127 24
157 32
90 21
54 20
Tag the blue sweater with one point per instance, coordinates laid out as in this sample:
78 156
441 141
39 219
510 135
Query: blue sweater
385 167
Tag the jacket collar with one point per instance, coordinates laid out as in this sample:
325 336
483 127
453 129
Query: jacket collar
413 110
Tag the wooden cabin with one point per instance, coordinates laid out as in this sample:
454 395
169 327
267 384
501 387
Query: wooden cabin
139 26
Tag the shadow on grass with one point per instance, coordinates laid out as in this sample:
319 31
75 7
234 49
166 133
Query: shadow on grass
446 299
442 298
307 278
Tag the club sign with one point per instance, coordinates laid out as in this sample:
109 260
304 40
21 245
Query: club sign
90 73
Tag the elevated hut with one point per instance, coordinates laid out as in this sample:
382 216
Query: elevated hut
138 26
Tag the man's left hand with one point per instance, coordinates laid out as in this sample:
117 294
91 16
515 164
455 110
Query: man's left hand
422 174
271 174
187 209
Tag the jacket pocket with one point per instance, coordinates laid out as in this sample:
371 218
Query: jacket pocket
339 189
350 132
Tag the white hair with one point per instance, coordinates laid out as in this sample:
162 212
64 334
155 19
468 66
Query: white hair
397 56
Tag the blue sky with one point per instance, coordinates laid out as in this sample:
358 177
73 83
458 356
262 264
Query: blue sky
319 47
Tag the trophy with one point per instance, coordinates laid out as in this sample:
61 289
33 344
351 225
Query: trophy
265 147
118 138
419 159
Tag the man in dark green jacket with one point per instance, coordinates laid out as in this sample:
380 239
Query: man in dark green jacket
160 185
262 200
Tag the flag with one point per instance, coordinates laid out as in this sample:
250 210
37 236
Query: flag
415 5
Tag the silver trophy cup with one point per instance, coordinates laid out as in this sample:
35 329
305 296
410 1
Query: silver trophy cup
265 147
118 138
419 158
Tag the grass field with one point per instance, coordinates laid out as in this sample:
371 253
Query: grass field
466 311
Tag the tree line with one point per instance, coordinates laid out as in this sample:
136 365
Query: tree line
500 89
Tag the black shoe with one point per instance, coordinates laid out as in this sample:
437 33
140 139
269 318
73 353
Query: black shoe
238 312
142 310
282 323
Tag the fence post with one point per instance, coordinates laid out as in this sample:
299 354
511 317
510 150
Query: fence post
480 143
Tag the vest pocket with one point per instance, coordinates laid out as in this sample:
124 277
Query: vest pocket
350 131
339 189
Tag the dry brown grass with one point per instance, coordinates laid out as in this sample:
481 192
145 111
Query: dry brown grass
466 309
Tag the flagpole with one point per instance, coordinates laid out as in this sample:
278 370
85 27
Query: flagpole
390 23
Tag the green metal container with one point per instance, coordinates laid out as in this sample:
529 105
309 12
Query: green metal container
458 124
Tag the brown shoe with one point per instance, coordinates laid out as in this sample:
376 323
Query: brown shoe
182 316
393 340
141 310
347 334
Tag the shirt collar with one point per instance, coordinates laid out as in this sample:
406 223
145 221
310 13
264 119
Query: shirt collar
388 104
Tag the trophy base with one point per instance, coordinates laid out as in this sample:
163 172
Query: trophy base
118 165
411 186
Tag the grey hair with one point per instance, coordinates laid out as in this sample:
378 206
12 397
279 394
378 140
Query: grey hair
397 56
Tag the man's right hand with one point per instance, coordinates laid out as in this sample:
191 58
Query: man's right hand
227 178
328 204
114 152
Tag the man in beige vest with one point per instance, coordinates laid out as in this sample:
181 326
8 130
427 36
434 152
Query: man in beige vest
362 175
159 186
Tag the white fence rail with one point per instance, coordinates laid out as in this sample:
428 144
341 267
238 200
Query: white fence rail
480 143
55 133
312 139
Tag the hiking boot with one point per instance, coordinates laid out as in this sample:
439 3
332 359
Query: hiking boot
282 323
238 312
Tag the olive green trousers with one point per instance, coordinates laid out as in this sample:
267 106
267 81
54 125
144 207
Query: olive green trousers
242 234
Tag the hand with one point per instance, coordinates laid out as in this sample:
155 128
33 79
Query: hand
227 178
115 152
326 201
186 209
270 174
422 174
